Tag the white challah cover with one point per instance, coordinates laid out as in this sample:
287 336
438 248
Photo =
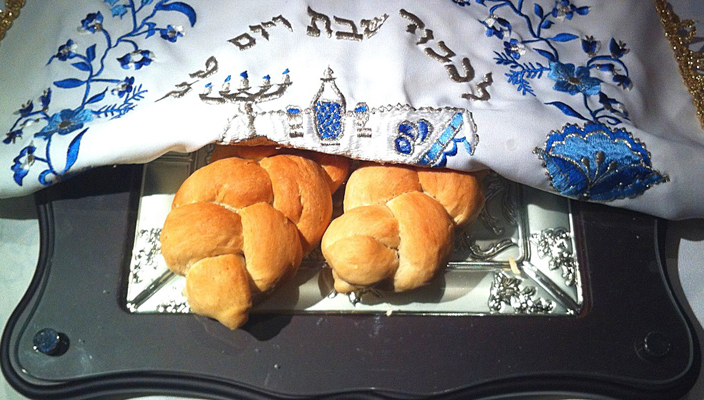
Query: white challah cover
581 98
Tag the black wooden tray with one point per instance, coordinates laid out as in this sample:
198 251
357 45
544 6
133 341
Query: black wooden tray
630 340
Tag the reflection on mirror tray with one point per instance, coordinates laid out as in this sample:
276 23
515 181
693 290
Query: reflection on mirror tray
517 258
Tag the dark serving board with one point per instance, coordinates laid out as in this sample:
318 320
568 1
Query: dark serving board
631 339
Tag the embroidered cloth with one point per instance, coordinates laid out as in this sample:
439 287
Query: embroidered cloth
578 97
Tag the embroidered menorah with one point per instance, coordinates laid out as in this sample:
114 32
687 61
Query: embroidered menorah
246 95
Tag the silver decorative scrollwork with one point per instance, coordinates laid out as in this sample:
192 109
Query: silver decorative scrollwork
555 243
147 249
506 290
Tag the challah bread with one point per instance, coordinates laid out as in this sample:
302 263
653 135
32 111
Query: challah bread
459 192
238 228
398 226
336 167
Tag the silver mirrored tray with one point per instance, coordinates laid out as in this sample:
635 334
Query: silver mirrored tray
516 259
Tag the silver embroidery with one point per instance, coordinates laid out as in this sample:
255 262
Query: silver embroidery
312 29
455 75
446 58
244 41
483 94
417 27
361 117
295 121
371 26
352 35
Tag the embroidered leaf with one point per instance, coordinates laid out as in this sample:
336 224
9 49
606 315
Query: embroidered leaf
183 8
582 10
82 66
538 10
69 83
546 24
503 59
90 53
72 151
546 54
564 37
97 97
567 110
151 29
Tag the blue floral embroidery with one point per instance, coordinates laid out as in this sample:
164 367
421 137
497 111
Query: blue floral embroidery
103 96
597 163
521 27
572 81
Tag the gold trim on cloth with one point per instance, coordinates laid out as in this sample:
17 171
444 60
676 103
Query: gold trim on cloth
11 11
681 33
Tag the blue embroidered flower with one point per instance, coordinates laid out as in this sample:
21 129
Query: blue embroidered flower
26 108
590 45
570 80
11 136
119 10
22 162
93 22
617 49
65 122
45 98
623 81
66 51
136 59
89 88
496 26
564 9
514 48
171 33
124 87
596 163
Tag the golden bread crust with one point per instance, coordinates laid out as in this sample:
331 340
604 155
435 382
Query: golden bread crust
255 153
361 245
427 234
218 287
301 193
336 167
377 184
460 193
271 246
199 230
234 182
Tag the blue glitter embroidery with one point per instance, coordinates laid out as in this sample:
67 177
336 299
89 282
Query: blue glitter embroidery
410 134
102 96
597 163
329 107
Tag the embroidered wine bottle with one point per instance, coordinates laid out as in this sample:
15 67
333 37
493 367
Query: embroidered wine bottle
329 107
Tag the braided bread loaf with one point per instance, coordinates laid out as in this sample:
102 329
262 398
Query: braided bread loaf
398 226
238 228
337 168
